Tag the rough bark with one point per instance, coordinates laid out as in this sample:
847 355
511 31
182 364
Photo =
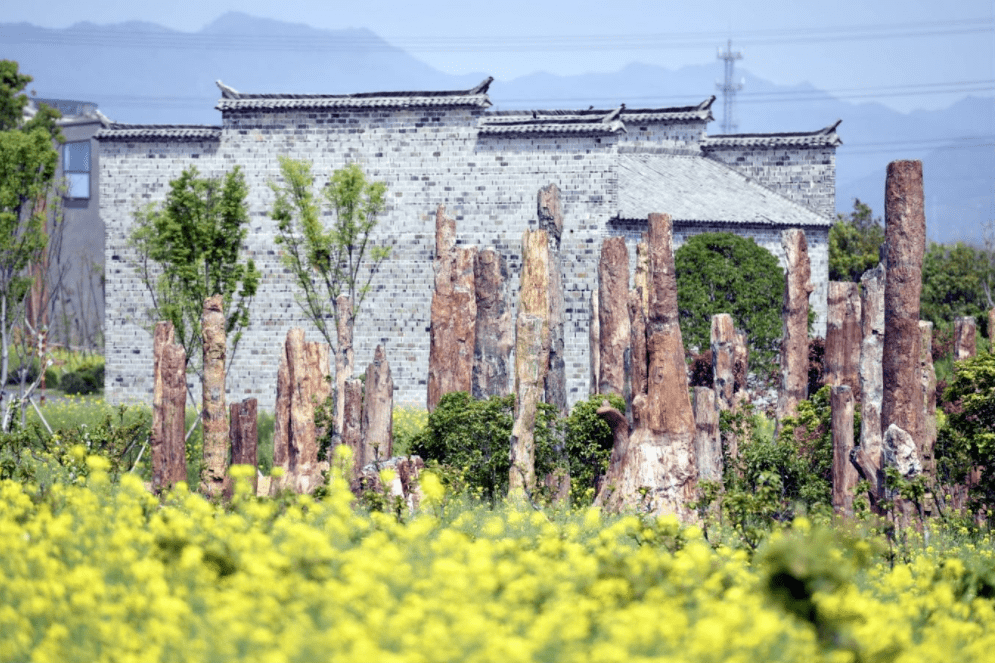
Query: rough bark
531 357
244 434
304 475
707 443
614 325
794 316
639 362
318 363
657 470
550 215
492 337
162 336
378 408
723 360
454 314
215 413
965 345
927 374
640 279
905 236
173 370
344 358
845 474
594 341
843 336
741 363
870 375
352 424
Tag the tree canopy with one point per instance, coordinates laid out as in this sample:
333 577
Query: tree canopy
854 243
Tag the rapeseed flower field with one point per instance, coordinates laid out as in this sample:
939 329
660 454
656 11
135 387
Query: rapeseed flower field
101 570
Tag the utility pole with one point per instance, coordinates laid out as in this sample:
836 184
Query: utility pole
729 88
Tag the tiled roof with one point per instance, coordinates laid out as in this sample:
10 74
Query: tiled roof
232 100
822 138
694 188
588 122
155 132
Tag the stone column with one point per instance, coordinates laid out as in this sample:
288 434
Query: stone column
318 364
303 437
378 409
281 422
723 360
871 347
843 335
352 425
344 357
550 215
741 363
905 235
965 331
162 336
845 474
794 337
454 314
707 443
492 337
927 374
173 450
531 357
640 280
639 362
215 413
613 278
244 434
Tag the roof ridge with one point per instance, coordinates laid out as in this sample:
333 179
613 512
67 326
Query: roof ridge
230 93
764 186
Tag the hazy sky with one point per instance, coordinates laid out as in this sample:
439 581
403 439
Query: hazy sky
907 53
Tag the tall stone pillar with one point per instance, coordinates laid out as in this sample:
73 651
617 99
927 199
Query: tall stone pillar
927 374
318 358
741 363
531 357
244 434
281 422
870 375
845 474
905 235
344 357
613 277
794 337
303 438
965 332
639 361
550 215
162 336
707 443
452 339
492 337
843 335
215 412
640 280
169 465
352 425
378 408
723 360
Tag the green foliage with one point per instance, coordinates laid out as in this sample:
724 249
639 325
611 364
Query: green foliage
587 441
726 273
189 249
475 437
854 244
408 423
967 439
326 263
954 282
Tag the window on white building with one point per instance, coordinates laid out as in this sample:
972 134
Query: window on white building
76 168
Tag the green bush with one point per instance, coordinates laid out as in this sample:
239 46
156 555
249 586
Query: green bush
82 381
726 273
587 441
475 437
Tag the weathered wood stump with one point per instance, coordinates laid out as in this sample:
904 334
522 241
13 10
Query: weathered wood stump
638 362
707 443
492 337
723 360
794 315
843 336
378 408
871 377
352 425
244 434
215 414
345 359
550 216
845 475
169 465
613 309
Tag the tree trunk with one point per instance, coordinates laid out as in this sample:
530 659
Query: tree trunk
843 336
162 336
845 474
173 369
531 358
550 215
352 430
794 316
215 414
378 409
614 325
492 337
344 358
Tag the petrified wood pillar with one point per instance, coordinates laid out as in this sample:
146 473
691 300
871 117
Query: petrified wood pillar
658 470
927 374
845 474
740 363
871 346
352 424
723 359
303 437
244 435
378 409
454 314
965 345
550 215
531 357
707 443
794 315
215 413
843 335
492 337
169 465
638 362
905 235
900 452
613 309
344 357
594 341
318 364
281 422
640 280
162 336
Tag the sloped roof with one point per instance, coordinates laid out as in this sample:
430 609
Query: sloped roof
696 188
822 138
587 122
232 100
156 132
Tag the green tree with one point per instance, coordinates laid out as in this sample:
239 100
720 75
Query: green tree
726 273
28 161
954 281
328 262
189 249
854 243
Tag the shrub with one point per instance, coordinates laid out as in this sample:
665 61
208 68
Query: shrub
587 441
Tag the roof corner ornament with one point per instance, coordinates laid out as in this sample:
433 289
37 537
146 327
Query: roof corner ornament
707 103
105 121
831 128
480 89
612 116
227 92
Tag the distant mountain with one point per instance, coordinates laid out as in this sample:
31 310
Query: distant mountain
145 73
